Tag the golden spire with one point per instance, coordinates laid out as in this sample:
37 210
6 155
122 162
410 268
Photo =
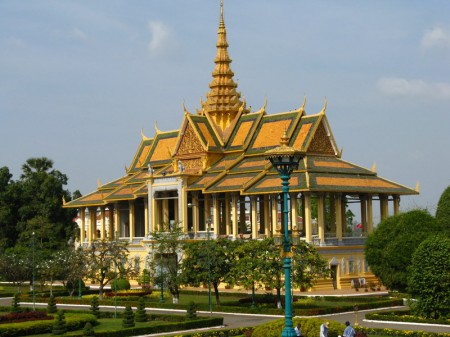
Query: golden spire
223 101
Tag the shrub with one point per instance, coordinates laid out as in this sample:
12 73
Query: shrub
15 305
128 320
59 328
120 284
51 305
95 309
191 312
310 328
141 316
88 330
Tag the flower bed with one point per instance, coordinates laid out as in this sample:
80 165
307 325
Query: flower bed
24 317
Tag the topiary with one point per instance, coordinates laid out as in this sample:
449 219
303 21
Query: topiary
95 309
120 284
128 317
191 312
141 316
59 327
51 305
15 304
88 330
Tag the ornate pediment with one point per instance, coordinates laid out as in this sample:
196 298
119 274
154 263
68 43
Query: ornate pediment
321 142
190 142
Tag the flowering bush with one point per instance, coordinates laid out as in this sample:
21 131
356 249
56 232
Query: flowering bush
24 317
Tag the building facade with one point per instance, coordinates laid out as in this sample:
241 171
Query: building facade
212 173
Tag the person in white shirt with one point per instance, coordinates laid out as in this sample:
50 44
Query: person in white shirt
298 332
324 329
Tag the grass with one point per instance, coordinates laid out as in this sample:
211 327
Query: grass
105 324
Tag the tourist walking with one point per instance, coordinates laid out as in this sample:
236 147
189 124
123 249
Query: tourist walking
348 331
324 329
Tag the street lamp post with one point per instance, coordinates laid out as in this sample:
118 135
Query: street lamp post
285 159
209 267
80 249
33 276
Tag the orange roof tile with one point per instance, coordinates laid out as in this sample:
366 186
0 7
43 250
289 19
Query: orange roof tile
242 133
304 130
336 181
270 133
162 149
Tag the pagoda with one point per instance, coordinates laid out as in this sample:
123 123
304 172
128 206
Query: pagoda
212 174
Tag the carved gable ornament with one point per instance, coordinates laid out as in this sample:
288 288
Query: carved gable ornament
190 142
321 142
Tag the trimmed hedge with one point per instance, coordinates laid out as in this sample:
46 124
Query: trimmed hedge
159 328
73 322
401 333
404 316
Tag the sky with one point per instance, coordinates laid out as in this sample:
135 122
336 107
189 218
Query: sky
80 80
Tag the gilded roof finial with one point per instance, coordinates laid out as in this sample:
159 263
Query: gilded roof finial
284 139
223 100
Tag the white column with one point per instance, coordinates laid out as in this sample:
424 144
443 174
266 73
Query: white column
321 217
234 213
254 217
307 218
131 218
82 224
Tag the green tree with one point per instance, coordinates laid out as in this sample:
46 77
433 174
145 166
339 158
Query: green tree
248 269
9 209
167 262
22 263
41 211
307 265
107 260
429 277
207 261
389 248
443 210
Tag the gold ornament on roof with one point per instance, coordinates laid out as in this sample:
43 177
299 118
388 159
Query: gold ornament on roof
223 102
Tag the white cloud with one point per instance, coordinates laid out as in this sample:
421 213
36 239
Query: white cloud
79 34
436 37
161 39
395 86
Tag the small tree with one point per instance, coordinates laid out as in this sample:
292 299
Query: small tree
51 305
59 327
141 315
428 280
128 317
168 258
191 312
108 260
95 309
15 304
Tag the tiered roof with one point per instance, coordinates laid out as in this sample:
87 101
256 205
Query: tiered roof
222 149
